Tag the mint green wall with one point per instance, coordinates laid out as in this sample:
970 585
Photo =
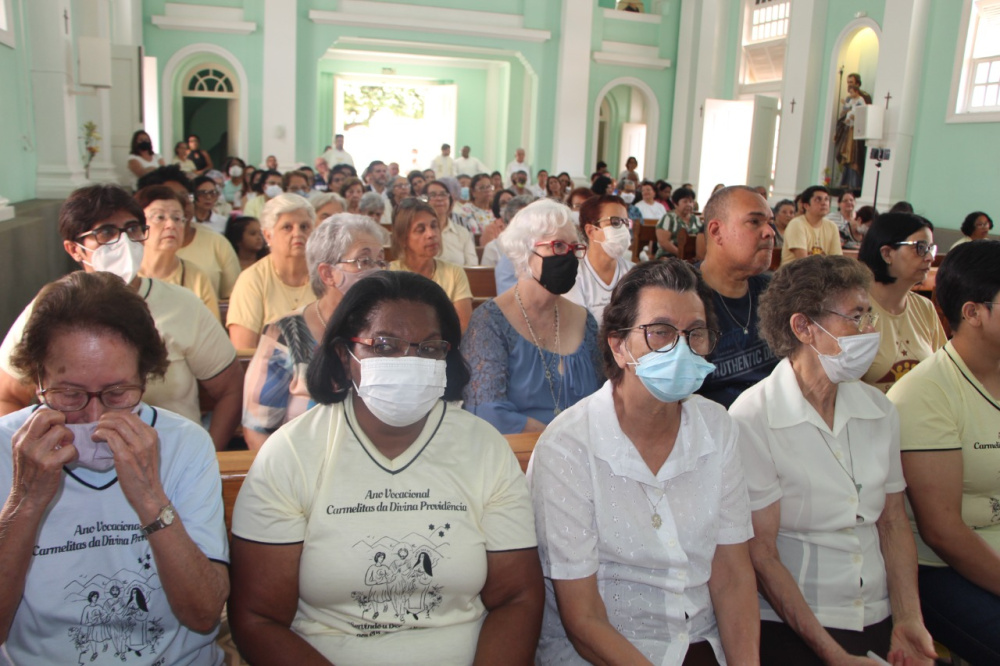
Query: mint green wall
959 159
248 49
17 133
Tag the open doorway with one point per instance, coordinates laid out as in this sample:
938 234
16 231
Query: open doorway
626 120
211 110
857 61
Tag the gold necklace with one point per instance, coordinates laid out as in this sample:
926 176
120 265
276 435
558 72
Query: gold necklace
319 315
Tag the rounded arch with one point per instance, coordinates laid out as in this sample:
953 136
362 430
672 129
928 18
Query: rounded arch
171 85
652 118
844 39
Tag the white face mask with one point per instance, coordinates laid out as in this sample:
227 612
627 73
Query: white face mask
272 191
628 197
401 391
123 258
617 241
575 216
235 171
857 352
90 454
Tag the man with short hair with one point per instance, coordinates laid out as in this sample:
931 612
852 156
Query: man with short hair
443 165
519 183
378 177
322 178
337 155
854 80
469 165
518 164
739 239
393 169
811 232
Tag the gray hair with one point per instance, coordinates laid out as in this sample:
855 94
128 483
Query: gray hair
282 204
332 239
541 219
514 206
321 199
371 202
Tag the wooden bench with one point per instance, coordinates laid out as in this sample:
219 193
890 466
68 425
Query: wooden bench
642 237
234 465
482 282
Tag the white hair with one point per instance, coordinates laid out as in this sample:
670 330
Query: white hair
542 219
371 202
282 204
321 199
333 238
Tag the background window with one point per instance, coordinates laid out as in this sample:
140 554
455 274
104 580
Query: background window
765 34
975 94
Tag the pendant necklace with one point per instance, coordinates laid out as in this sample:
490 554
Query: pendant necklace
656 521
319 315
534 338
849 473
746 327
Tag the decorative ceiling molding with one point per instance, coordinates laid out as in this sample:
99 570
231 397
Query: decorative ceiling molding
635 17
200 18
630 55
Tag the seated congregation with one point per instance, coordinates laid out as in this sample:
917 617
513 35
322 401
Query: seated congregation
750 448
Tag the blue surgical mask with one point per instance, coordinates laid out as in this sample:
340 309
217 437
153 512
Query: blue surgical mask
674 375
464 194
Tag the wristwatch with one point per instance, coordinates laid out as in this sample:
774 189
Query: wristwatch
164 519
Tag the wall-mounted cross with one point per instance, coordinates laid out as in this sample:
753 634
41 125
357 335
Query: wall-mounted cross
888 96
701 111
792 104
66 19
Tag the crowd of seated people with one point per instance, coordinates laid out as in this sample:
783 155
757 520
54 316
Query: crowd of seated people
719 475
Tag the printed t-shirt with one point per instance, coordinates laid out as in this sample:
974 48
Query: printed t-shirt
800 235
389 545
907 339
260 297
92 588
943 407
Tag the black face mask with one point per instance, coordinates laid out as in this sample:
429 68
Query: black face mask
559 273
144 145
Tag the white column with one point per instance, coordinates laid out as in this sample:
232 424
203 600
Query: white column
900 66
703 26
280 73
572 100
794 170
57 127
127 27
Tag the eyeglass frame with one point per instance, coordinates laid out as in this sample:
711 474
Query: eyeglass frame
214 192
381 264
370 342
578 249
627 222
686 332
872 317
929 247
133 224
43 393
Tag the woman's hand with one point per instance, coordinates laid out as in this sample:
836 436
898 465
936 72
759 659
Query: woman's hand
911 644
135 446
40 448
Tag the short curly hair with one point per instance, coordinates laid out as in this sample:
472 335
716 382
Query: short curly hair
808 286
98 302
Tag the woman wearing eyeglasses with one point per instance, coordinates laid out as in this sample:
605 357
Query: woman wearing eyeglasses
640 504
533 352
339 252
605 225
457 247
393 526
477 214
832 548
105 495
899 249
206 196
416 242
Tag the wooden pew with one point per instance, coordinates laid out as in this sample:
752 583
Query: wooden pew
482 282
642 235
234 465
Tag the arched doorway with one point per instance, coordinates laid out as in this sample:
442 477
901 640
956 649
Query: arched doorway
211 109
855 58
626 124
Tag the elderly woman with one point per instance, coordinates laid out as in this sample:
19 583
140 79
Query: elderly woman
399 188
494 228
975 226
372 205
604 224
680 218
340 252
899 249
949 418
352 190
477 214
164 212
327 204
640 503
784 211
832 547
279 283
247 239
457 244
426 532
533 352
105 495
206 196
103 230
416 242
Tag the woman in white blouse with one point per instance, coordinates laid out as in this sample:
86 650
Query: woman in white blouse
640 504
832 546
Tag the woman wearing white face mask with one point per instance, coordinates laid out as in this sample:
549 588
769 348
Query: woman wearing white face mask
235 189
340 252
609 243
421 505
832 546
640 505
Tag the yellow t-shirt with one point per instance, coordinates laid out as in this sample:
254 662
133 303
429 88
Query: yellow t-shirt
213 254
388 546
942 406
255 206
907 339
800 235
449 277
260 297
189 276
197 346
